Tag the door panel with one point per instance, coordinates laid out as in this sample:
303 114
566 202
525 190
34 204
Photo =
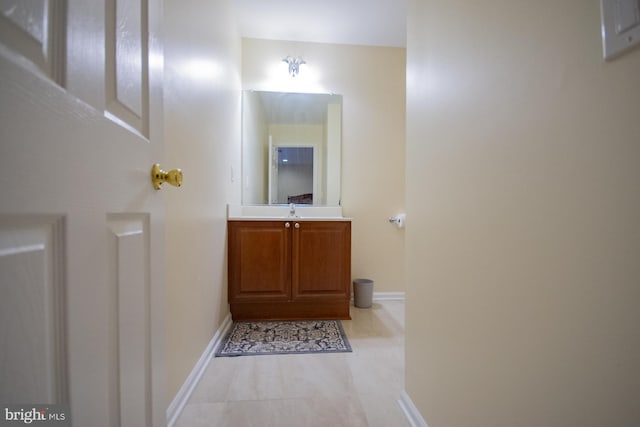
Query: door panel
129 284
35 29
32 361
127 63
322 251
259 260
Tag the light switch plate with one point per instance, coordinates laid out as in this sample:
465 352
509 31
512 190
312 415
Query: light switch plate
620 26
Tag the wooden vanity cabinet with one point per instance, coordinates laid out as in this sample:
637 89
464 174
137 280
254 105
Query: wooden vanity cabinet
289 269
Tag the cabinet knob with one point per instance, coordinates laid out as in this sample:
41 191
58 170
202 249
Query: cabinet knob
287 225
297 225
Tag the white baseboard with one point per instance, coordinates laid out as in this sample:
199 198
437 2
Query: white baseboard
385 296
182 397
388 296
410 411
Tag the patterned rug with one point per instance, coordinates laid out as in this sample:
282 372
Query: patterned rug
284 337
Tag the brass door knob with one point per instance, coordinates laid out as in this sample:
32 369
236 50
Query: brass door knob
158 177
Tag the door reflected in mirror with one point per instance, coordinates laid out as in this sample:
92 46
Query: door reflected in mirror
291 148
292 177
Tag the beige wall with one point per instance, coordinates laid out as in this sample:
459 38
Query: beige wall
523 237
202 133
372 82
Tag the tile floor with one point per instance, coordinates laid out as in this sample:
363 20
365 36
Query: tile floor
361 388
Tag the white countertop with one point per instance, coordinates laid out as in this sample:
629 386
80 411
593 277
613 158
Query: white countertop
286 218
282 213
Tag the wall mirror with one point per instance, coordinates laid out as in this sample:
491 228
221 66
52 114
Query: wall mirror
291 148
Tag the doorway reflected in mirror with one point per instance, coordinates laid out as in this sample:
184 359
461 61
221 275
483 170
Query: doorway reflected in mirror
294 171
298 126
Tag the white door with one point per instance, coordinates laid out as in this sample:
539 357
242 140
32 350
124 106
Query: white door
81 227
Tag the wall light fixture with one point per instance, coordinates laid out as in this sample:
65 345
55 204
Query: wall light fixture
294 65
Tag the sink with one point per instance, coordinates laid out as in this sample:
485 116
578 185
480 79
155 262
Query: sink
281 212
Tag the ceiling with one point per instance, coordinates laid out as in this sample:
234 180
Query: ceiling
359 22
297 108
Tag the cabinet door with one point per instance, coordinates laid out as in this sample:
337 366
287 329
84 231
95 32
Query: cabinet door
259 261
321 259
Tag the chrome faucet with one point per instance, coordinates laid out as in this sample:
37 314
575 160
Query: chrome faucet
292 209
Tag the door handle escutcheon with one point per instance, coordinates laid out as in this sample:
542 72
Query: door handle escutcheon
158 177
